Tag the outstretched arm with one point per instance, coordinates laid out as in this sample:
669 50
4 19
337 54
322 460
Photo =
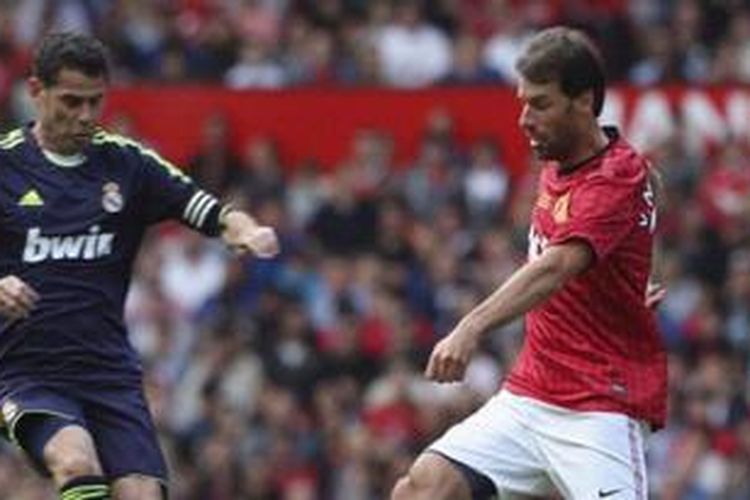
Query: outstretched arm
529 286
656 291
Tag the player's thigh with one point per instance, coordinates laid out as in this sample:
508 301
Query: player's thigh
495 442
70 452
138 487
48 424
124 432
598 456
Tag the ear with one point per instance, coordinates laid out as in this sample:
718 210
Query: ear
585 101
35 86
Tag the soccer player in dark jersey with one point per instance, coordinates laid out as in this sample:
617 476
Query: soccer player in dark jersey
74 203
590 381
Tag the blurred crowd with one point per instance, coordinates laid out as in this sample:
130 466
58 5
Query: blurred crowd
299 378
406 43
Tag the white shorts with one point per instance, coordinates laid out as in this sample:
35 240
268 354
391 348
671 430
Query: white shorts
530 448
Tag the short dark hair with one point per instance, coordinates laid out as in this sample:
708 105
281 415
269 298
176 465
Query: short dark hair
568 57
70 50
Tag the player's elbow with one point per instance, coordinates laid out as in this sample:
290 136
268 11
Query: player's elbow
562 262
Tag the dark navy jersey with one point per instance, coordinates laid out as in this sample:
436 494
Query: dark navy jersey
72 234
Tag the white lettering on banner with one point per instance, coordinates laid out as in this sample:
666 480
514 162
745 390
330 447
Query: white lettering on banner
705 117
738 113
702 121
651 122
87 246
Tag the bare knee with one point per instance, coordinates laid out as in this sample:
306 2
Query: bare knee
137 487
404 488
431 477
70 453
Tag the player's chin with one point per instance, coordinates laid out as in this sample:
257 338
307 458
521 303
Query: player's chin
79 141
542 153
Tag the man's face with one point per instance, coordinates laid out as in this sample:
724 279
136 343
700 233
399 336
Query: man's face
68 110
549 119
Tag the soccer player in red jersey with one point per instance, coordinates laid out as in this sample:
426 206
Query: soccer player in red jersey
590 381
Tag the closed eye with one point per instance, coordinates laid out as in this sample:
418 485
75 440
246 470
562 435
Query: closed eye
75 101
539 103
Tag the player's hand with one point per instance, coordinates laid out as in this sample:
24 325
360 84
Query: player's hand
17 299
261 241
242 234
451 355
655 294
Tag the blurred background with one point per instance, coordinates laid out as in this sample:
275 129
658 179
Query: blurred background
379 138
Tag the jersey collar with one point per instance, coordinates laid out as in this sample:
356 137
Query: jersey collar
613 135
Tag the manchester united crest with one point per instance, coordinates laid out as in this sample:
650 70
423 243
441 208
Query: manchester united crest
561 209
112 201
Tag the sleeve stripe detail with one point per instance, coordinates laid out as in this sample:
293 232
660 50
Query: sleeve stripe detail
198 208
189 207
198 200
205 212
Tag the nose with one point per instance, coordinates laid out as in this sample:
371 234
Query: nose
87 113
523 118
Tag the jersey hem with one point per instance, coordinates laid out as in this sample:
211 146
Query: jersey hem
601 404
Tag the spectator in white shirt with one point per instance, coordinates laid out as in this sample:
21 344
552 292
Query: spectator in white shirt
412 52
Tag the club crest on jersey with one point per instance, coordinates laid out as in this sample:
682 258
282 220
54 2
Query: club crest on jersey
560 211
112 201
544 201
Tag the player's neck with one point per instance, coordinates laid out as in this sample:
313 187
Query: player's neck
47 143
592 143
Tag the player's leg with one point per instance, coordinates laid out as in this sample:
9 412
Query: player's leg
51 430
432 477
597 455
137 487
127 444
69 453
489 453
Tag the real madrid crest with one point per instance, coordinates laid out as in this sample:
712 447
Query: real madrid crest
112 201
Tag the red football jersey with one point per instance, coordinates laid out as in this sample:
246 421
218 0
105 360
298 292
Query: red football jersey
594 345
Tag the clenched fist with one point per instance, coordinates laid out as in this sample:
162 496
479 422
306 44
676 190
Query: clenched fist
242 234
451 356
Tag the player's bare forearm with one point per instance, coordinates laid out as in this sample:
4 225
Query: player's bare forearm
529 286
656 290
243 234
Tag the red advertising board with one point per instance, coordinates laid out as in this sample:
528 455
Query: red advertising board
320 123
